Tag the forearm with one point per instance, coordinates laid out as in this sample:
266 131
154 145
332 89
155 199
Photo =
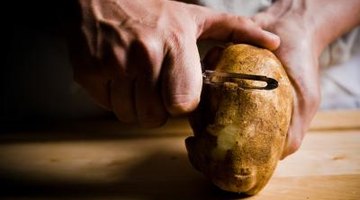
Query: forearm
323 20
332 19
305 28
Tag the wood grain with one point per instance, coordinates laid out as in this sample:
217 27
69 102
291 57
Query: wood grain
75 165
336 119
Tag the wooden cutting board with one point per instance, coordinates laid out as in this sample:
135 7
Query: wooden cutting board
104 162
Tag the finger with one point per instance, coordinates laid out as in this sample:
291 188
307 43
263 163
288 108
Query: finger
295 135
267 17
263 19
182 79
87 71
146 56
95 86
89 76
149 106
306 94
122 82
231 28
122 100
305 106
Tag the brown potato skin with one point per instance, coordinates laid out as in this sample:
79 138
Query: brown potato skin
239 134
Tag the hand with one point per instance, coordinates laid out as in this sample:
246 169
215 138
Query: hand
299 54
140 59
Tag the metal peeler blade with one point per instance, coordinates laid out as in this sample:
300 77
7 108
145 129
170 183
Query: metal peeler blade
209 76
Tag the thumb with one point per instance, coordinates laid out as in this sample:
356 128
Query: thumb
237 29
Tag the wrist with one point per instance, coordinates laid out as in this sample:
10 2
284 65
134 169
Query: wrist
321 21
332 19
292 20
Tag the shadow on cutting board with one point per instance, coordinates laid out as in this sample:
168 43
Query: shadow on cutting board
161 175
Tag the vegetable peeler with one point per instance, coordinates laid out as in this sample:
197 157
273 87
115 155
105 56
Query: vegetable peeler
218 78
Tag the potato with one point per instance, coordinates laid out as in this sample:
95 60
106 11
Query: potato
239 134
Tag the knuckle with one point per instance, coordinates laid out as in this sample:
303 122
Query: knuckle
261 19
245 22
175 39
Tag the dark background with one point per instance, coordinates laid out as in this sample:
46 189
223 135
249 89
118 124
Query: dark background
36 76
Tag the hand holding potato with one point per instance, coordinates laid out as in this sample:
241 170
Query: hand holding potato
306 28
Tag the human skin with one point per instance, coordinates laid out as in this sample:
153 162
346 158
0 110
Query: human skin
140 60
306 27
